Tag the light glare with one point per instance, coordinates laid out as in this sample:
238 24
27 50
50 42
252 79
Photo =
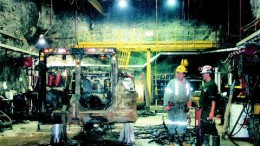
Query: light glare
149 34
171 2
41 40
122 3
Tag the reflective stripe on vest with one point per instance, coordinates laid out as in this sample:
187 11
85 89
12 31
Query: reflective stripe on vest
187 86
177 122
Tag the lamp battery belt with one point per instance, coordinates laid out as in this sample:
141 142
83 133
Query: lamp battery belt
176 105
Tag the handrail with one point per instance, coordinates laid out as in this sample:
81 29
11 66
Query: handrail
147 38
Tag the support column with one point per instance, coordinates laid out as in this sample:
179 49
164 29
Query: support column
75 98
148 72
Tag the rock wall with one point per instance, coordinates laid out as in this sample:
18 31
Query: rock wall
22 22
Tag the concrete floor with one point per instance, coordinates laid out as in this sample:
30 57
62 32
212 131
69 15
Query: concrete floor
26 133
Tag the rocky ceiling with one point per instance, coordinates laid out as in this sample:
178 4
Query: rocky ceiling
23 21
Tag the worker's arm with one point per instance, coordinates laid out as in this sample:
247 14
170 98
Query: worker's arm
190 100
189 103
168 96
212 110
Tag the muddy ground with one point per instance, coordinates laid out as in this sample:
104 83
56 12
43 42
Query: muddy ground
26 134
146 129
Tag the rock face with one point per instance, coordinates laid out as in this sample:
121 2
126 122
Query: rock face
23 21
17 22
255 8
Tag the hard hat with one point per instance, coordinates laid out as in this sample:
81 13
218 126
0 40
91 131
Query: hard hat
181 69
206 69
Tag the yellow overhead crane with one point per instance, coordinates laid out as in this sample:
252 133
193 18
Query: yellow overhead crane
141 40
133 40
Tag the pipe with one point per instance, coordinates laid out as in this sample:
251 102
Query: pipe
222 50
188 11
59 37
156 17
249 38
75 22
164 53
218 78
228 27
251 24
98 6
240 21
51 13
185 53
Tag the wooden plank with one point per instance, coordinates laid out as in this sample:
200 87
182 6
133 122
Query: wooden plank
227 111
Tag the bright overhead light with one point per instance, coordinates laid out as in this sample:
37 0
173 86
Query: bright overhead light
122 3
5 85
41 40
171 2
149 33
62 51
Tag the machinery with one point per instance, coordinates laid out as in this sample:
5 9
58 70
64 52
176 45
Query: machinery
83 86
246 95
5 120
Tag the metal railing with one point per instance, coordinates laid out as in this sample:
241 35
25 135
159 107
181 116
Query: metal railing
143 39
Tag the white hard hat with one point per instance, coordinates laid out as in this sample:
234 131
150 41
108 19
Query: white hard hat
206 69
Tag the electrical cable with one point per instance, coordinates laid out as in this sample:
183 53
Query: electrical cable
241 125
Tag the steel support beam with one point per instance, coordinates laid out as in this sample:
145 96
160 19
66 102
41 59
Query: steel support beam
18 50
98 6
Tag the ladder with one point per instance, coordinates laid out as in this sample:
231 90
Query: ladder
123 58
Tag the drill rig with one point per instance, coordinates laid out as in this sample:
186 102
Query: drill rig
84 86
244 65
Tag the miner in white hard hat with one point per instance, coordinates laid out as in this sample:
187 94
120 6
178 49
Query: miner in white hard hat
206 69
207 101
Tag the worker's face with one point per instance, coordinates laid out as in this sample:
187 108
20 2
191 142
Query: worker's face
180 75
205 76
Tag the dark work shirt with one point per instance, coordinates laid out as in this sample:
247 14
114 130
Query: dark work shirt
208 93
